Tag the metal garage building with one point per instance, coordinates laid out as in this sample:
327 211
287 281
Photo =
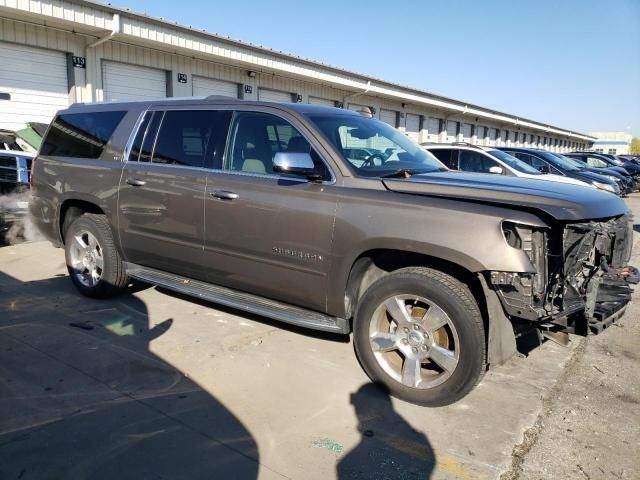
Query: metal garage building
56 52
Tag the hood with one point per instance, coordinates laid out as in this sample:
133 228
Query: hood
559 178
590 176
606 171
563 202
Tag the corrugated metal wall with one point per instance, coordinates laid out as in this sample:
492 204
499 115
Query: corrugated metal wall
87 83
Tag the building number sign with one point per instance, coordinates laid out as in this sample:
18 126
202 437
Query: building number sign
182 78
79 62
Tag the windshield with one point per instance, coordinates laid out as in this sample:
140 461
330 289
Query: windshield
374 148
514 162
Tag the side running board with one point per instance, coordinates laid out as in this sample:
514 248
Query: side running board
240 300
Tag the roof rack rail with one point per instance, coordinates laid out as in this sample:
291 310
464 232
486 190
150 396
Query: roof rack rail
466 144
220 97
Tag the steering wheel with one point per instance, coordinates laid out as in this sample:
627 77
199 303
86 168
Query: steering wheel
369 161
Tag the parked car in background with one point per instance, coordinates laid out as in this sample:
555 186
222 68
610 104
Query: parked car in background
430 269
628 165
15 169
477 159
548 162
600 161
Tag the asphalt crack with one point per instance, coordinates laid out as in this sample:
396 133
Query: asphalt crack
531 434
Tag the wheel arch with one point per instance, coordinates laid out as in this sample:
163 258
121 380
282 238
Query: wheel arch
374 264
73 208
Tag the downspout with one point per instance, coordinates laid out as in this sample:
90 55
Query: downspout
357 94
115 30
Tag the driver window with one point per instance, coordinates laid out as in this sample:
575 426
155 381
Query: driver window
476 162
257 137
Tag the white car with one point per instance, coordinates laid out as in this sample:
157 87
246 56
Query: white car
477 159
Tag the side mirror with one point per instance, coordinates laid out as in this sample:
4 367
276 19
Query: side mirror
543 169
496 170
299 164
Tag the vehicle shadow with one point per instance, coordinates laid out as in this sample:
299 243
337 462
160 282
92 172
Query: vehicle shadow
389 447
83 396
636 227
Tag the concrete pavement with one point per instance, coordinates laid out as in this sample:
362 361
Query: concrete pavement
154 385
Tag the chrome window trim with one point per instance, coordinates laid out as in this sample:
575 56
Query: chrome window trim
136 127
132 136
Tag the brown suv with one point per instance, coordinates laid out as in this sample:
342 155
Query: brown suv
260 206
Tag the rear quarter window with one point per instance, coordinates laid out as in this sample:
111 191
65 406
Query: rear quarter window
81 135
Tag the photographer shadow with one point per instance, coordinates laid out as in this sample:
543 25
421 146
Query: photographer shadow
83 396
389 447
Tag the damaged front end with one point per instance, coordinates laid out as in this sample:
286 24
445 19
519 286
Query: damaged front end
581 283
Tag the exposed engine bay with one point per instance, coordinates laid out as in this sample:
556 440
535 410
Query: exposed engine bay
581 282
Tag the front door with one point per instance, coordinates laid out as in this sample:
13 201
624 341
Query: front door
161 198
266 233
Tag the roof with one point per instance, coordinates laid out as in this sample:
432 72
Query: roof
383 87
304 108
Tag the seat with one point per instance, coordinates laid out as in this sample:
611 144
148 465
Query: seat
252 153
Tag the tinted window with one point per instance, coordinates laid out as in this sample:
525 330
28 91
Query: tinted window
81 134
257 137
535 162
476 162
446 156
189 137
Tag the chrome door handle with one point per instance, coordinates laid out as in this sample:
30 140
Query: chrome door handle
224 195
134 182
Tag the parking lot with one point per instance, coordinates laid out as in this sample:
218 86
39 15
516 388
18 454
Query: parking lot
154 385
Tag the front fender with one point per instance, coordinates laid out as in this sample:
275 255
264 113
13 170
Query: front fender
466 234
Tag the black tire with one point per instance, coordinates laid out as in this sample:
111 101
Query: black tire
457 302
113 277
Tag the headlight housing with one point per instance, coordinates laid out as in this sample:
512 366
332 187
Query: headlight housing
607 186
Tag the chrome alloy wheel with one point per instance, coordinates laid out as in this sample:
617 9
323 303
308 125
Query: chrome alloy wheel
414 341
86 258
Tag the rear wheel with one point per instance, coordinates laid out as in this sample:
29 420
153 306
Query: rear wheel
419 333
93 262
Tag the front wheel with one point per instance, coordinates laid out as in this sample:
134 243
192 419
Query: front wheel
419 333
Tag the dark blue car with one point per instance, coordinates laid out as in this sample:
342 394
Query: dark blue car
548 162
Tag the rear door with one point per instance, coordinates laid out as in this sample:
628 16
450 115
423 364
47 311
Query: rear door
267 233
161 198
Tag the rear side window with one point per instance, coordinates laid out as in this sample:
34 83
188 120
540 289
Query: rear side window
81 135
446 156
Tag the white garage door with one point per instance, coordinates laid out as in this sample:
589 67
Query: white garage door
388 116
434 129
466 132
203 87
322 101
412 128
122 81
493 133
33 85
452 128
274 96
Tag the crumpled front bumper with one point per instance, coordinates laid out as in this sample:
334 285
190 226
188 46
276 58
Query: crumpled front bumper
608 294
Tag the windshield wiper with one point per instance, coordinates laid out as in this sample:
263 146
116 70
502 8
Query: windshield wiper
404 173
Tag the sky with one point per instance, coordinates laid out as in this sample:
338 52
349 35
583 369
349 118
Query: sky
574 64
